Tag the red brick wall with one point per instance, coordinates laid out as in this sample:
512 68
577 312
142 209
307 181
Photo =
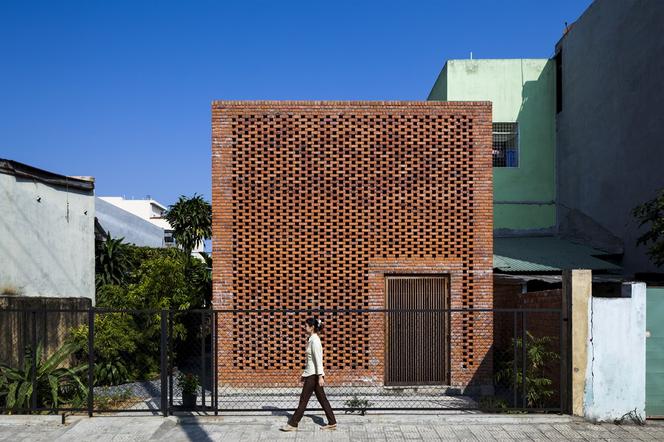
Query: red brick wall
510 296
315 202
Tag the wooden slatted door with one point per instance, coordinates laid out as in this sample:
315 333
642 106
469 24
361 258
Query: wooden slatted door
417 342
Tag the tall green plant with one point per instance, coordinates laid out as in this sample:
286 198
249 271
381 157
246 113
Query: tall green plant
112 262
539 358
55 384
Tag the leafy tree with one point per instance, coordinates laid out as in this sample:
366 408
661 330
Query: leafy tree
161 284
191 219
652 212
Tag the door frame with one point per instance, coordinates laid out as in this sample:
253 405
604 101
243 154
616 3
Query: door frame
446 331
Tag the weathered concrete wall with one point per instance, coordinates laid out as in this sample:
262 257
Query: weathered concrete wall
120 223
46 239
616 366
609 132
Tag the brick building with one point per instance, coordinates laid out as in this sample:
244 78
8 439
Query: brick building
353 205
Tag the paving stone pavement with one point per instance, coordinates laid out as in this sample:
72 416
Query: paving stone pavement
383 427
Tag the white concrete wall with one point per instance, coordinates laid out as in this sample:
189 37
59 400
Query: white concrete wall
120 223
616 366
46 240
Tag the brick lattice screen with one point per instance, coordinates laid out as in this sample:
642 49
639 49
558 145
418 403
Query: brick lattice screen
315 202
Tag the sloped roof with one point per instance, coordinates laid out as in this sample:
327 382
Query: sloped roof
17 169
546 254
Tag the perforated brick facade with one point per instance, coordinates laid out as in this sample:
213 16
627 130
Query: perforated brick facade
315 202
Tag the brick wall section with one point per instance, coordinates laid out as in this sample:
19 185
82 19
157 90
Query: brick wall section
315 202
509 296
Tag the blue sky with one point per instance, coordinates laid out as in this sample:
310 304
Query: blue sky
121 90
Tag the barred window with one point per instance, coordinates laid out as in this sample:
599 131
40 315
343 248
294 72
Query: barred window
505 144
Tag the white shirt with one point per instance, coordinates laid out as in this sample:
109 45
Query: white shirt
314 357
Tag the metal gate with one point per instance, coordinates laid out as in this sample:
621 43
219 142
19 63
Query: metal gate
522 371
417 340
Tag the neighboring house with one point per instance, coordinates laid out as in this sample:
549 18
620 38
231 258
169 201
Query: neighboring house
599 102
610 152
148 210
353 205
610 130
522 92
577 138
120 223
46 233
522 95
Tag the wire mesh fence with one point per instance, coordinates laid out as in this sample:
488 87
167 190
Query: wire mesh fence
161 361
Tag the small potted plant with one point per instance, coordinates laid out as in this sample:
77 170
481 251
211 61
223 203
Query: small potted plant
188 384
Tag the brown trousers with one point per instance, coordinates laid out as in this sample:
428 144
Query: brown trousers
311 386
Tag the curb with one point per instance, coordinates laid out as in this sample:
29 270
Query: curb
31 419
386 418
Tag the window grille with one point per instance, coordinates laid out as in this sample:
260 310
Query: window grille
505 144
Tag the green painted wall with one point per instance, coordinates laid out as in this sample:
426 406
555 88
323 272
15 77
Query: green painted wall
521 90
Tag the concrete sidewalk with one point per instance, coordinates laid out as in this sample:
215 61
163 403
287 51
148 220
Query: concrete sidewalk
351 428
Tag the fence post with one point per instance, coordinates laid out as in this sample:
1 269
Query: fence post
164 364
170 360
215 364
91 359
524 357
33 368
563 376
202 360
515 369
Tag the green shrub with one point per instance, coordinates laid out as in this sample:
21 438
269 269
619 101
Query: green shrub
56 384
538 386
188 383
492 403
111 372
112 296
357 405
117 338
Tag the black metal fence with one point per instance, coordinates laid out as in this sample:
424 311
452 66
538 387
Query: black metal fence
212 361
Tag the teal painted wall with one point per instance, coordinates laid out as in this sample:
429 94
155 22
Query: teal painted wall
521 90
654 351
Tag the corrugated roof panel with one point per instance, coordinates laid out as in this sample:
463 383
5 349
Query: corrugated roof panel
546 254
